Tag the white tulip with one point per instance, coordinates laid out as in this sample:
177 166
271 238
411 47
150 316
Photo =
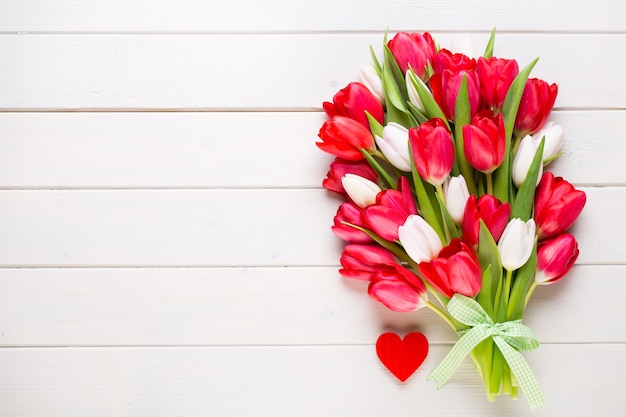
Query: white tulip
523 160
456 194
395 146
371 80
419 239
516 243
463 44
554 139
360 190
414 98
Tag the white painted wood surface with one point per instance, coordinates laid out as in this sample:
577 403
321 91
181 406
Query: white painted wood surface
164 240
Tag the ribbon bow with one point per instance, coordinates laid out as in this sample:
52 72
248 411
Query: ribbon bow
507 336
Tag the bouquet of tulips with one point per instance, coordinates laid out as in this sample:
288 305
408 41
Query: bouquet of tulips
440 159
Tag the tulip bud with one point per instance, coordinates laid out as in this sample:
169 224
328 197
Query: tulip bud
456 194
535 106
364 261
493 213
555 258
349 212
414 97
344 137
524 159
413 50
445 88
462 44
395 146
371 80
433 151
398 289
557 205
360 190
419 239
485 141
354 101
340 167
553 134
516 243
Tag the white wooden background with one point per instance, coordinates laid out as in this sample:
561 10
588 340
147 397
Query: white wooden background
164 239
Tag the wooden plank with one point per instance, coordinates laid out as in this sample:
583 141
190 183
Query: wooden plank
286 381
183 150
297 71
217 228
323 15
232 306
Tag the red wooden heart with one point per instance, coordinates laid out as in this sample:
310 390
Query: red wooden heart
402 356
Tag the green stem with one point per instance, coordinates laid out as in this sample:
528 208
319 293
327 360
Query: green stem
489 183
442 315
446 231
507 287
533 285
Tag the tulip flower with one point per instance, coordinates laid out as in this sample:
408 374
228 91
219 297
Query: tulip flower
456 194
398 289
413 50
455 270
433 150
555 258
395 146
371 80
493 213
557 205
535 106
462 44
390 211
484 141
419 239
523 160
516 243
360 190
553 141
496 76
353 101
363 262
344 137
349 212
340 167
453 61
414 97
445 87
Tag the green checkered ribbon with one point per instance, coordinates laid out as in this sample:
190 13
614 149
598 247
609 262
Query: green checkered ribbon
508 336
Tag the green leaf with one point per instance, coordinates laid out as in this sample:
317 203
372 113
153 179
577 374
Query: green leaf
524 277
419 116
382 173
523 204
375 127
392 247
451 227
488 255
489 48
462 115
376 63
431 107
502 176
424 202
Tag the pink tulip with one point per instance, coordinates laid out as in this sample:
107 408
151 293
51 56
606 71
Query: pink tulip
496 76
555 258
390 211
340 167
398 289
493 213
535 106
413 50
353 101
455 270
445 88
447 60
349 212
485 141
364 261
433 150
557 205
344 137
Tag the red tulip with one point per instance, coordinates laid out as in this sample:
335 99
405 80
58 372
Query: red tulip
446 60
364 261
496 76
535 106
555 258
557 205
398 289
340 167
455 270
353 101
349 212
390 211
445 88
485 141
413 50
343 137
433 150
494 214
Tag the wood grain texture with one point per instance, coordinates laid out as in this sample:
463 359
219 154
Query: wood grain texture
322 15
235 72
191 149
